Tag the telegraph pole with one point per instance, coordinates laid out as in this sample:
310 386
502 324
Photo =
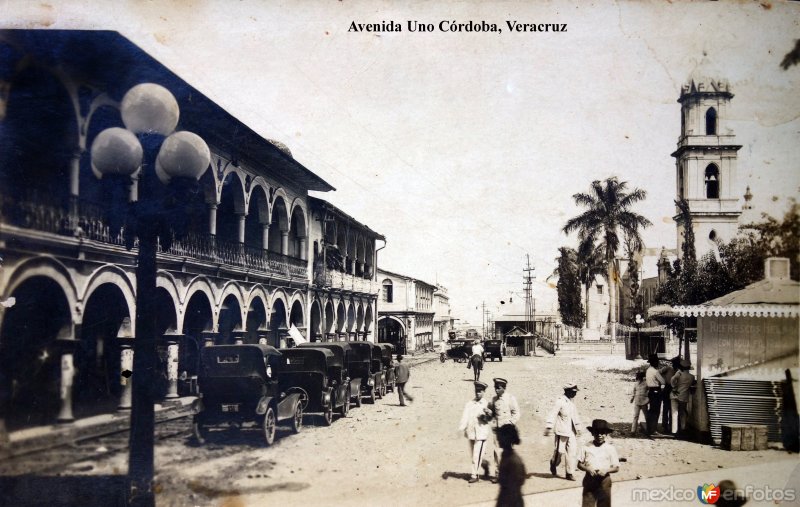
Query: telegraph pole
530 315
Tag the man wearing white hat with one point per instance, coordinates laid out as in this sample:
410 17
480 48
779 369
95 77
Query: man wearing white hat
566 423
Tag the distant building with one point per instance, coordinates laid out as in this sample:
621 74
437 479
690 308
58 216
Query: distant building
442 320
406 312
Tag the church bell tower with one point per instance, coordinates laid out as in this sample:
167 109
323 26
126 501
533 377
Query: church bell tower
706 162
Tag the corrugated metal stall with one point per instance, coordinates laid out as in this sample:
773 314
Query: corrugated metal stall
740 401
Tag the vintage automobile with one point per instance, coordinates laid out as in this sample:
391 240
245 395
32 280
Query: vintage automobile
344 352
239 384
316 373
379 368
493 349
459 351
387 350
370 371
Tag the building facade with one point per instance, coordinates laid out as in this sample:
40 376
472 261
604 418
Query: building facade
442 320
405 312
247 269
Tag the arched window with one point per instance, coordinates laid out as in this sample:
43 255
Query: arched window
388 296
711 122
712 182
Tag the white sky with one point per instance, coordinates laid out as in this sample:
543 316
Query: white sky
464 149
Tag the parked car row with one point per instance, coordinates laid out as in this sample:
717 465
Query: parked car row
260 386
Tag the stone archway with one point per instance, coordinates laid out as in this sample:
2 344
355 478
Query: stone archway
97 356
230 321
391 330
277 324
30 355
315 330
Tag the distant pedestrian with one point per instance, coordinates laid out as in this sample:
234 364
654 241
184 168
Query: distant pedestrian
666 407
511 474
477 350
401 375
599 461
565 422
505 410
682 383
475 425
639 400
654 382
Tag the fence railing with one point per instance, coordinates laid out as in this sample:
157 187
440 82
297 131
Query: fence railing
87 221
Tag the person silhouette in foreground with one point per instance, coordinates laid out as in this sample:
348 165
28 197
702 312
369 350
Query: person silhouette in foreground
511 473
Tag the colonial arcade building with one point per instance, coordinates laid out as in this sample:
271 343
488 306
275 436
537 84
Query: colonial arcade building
260 255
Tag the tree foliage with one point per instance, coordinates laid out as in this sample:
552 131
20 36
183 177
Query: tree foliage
608 216
569 288
739 263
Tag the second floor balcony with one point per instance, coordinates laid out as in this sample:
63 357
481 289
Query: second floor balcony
32 215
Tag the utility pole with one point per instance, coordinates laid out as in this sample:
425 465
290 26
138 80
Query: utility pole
530 311
483 319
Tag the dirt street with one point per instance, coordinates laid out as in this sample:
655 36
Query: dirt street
391 455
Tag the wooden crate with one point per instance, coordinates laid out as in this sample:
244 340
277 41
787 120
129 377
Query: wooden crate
762 436
744 437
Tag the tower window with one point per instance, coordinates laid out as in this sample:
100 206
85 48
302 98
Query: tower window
712 182
711 122
712 235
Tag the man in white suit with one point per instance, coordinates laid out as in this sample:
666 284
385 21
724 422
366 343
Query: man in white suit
565 422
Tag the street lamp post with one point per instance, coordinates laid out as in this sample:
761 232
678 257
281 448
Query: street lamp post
639 321
148 144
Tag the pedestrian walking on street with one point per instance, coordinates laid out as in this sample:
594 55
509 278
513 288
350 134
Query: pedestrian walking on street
565 422
654 382
599 461
505 410
682 383
511 474
639 400
666 406
475 426
401 374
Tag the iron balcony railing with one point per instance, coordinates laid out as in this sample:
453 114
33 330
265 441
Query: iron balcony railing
87 221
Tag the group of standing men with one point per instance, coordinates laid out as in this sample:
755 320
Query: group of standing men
668 394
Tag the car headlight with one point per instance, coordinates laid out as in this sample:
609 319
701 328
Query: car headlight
197 406
370 382
326 399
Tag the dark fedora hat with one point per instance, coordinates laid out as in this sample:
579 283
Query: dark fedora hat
599 426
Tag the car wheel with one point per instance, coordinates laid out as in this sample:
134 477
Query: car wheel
358 400
501 359
200 432
297 419
269 426
384 390
346 405
327 417
372 396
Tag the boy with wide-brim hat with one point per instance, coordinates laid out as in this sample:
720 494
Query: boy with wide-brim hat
599 461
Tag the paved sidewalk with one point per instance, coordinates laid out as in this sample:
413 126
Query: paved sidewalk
681 489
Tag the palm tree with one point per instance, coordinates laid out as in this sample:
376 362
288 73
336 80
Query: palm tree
591 263
608 215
